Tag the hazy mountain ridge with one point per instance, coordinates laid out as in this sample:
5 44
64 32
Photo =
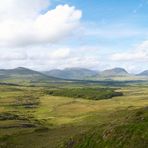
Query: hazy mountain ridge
144 73
81 73
71 73
24 74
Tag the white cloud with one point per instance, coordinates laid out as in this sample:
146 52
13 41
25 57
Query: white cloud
22 22
45 58
143 45
140 53
33 54
84 62
132 55
12 55
61 53
21 9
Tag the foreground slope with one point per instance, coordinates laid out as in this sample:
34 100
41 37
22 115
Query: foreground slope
130 131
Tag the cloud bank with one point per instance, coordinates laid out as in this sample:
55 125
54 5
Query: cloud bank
140 53
46 59
25 22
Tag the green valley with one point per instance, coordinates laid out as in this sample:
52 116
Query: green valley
71 115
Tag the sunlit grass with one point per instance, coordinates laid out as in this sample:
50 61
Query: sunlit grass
56 113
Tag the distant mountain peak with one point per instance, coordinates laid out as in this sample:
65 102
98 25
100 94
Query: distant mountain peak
76 68
114 71
21 68
144 73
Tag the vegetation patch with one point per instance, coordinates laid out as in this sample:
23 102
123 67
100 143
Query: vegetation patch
130 132
26 101
8 116
86 93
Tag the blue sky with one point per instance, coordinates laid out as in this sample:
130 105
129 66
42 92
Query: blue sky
94 34
116 15
114 26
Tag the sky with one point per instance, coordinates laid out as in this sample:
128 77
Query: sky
94 34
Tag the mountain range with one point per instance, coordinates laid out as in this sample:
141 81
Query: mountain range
82 73
23 75
71 73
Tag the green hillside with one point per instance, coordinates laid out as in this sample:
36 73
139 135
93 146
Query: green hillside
22 75
128 129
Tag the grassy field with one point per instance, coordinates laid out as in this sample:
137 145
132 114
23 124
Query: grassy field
30 117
